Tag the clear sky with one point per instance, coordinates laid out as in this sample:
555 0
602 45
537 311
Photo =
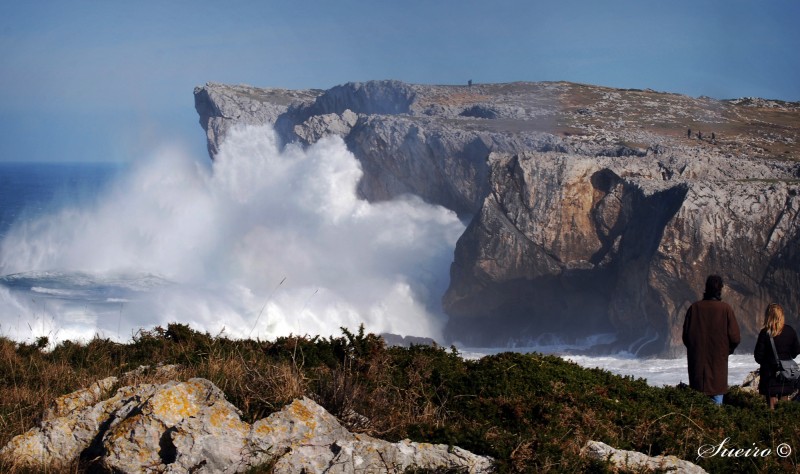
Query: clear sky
107 80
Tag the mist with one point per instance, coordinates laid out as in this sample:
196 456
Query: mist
265 242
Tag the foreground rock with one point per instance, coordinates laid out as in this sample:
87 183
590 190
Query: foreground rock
182 427
637 462
592 210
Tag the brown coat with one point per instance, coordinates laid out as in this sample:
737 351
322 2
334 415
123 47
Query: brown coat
710 334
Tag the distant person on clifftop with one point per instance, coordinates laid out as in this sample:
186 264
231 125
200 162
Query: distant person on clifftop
469 83
710 334
689 133
786 345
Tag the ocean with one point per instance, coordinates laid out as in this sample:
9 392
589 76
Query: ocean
243 248
29 190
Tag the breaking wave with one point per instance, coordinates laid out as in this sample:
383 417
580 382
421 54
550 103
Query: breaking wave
265 242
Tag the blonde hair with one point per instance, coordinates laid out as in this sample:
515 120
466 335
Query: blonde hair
774 319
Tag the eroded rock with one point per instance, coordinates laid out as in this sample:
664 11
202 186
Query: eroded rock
577 246
182 427
638 462
319 126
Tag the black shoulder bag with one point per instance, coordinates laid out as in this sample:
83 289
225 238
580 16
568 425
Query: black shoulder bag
788 371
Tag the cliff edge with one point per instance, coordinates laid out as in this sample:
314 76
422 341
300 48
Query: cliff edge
591 209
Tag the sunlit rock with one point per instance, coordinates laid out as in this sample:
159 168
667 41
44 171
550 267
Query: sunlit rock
182 427
639 462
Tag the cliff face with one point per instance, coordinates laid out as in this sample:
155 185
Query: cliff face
592 244
591 209
222 106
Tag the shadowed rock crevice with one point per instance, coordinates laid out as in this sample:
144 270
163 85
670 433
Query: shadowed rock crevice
94 451
635 307
166 448
562 249
608 212
549 310
480 111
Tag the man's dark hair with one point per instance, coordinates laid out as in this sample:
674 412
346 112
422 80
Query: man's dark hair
713 288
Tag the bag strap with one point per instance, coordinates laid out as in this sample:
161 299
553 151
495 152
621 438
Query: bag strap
775 351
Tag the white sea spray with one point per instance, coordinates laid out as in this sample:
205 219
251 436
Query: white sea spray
218 242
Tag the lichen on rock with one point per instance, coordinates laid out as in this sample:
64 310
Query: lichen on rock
182 427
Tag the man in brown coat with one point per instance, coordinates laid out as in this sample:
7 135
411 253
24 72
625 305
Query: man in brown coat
710 334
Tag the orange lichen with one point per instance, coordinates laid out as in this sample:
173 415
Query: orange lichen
304 415
176 403
125 427
263 429
222 418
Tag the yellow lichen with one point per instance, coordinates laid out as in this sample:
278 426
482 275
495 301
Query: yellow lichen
175 403
222 418
300 410
304 416
264 429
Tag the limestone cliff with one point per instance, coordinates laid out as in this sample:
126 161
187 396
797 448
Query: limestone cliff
591 209
592 243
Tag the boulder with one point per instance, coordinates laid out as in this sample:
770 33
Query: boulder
182 427
319 126
67 429
751 381
174 427
634 461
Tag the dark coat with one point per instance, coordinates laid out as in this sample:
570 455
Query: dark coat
710 334
788 348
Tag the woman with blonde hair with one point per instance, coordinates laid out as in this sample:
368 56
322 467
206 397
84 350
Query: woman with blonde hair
787 346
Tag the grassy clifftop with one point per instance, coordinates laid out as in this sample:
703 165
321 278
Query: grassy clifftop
532 412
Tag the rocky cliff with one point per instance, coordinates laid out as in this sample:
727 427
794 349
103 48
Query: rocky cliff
590 209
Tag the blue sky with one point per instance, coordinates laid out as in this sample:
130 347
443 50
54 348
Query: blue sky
106 80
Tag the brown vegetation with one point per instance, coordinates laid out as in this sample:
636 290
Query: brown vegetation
532 413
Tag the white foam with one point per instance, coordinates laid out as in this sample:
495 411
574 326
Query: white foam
216 243
53 291
658 372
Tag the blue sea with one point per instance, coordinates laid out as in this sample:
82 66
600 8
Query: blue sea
66 230
28 190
